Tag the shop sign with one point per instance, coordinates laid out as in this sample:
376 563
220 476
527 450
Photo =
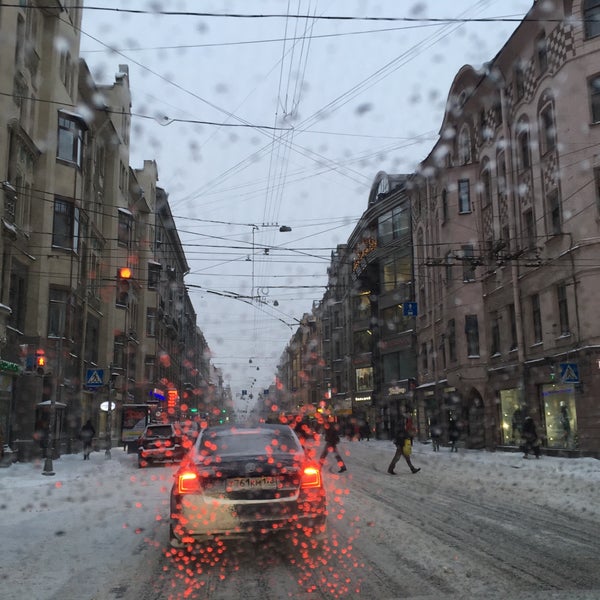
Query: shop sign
362 398
9 367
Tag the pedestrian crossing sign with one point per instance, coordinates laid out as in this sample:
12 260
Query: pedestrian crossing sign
569 372
94 377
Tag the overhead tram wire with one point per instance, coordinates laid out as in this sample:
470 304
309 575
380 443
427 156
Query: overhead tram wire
346 97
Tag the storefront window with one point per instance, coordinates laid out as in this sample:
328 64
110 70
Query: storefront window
560 416
511 417
364 379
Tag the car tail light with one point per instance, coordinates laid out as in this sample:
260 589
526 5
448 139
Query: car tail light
311 477
187 482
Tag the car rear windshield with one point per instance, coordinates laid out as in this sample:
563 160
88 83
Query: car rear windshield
159 431
248 442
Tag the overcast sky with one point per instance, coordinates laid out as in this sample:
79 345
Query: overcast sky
261 121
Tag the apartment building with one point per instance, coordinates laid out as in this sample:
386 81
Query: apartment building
92 295
506 216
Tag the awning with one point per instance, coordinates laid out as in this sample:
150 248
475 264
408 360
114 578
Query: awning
49 403
125 211
431 384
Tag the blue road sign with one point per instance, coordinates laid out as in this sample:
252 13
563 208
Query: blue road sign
409 309
94 378
569 372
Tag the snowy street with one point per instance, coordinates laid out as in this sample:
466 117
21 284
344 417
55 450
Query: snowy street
469 525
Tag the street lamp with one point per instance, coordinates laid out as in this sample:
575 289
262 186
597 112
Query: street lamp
282 229
111 382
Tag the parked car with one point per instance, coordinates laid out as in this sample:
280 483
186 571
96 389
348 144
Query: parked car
188 431
160 442
247 482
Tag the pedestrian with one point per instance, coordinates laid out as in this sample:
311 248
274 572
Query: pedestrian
332 439
435 432
531 442
453 435
365 431
403 442
87 434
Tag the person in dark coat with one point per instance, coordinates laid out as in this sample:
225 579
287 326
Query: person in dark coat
87 435
530 438
332 439
453 435
435 432
403 442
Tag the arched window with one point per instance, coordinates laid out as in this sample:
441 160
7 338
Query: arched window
591 18
486 185
523 145
547 128
464 146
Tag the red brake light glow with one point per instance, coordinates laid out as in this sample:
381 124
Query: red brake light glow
311 477
187 482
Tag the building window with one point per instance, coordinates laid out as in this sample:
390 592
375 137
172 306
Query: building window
553 203
393 321
486 182
495 348
70 139
519 75
362 341
524 151
594 91
444 205
563 309
65 225
151 321
361 307
448 263
472 335
512 315
92 339
464 196
597 183
468 263
501 179
125 228
149 369
591 18
153 275
442 350
17 297
397 274
464 146
529 230
393 225
364 379
536 317
541 49
57 312
452 340
547 129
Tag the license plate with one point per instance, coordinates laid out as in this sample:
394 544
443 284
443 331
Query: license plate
236 484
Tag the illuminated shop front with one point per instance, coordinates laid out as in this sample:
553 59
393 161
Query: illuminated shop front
511 417
560 415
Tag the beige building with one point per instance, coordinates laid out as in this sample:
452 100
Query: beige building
506 210
75 328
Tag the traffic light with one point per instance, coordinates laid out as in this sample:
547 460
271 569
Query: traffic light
40 362
123 284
